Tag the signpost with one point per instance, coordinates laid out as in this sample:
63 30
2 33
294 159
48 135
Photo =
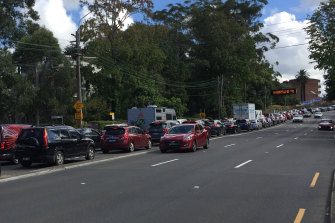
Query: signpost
79 115
112 114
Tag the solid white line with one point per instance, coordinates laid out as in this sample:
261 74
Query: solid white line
229 145
164 162
259 137
242 164
296 138
279 145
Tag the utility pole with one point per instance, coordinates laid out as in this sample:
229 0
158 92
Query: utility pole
265 98
78 75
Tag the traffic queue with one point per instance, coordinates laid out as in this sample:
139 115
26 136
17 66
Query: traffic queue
27 144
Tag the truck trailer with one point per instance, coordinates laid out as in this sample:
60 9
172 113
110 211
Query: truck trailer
244 111
142 117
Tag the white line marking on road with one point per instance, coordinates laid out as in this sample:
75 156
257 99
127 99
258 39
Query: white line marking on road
305 134
296 138
259 137
276 133
196 187
229 145
169 161
266 152
83 183
242 164
279 145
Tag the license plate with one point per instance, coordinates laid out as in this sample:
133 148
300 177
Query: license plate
113 140
26 158
156 134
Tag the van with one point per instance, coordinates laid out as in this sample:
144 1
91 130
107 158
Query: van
8 137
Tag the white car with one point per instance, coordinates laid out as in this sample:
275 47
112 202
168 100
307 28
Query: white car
297 118
318 115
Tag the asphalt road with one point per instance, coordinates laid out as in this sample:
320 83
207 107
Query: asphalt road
280 174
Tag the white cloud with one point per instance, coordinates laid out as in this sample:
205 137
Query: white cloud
294 58
53 16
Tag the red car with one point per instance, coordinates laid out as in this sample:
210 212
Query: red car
326 124
185 137
124 138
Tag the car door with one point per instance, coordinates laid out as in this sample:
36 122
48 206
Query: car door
141 137
79 145
92 134
67 143
198 135
133 136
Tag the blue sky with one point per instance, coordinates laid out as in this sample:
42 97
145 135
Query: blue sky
284 18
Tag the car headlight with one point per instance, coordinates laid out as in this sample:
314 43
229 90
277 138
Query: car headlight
188 138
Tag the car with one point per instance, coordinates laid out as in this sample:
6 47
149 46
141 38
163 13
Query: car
318 115
8 137
92 134
326 124
126 138
244 124
255 125
232 127
217 128
158 129
52 144
204 123
307 114
297 118
185 137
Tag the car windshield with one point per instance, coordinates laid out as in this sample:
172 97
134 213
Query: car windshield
318 113
241 121
115 131
326 121
228 123
158 125
181 129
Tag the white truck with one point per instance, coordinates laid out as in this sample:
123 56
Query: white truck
259 114
142 117
244 111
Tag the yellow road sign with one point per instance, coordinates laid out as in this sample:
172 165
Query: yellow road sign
78 106
111 113
78 116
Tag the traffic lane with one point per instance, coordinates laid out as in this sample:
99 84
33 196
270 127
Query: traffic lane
178 175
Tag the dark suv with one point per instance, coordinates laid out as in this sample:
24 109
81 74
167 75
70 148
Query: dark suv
52 144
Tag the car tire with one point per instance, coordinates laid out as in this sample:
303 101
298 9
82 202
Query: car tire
105 151
234 131
149 144
131 147
207 143
26 163
59 158
90 153
194 146
14 160
218 133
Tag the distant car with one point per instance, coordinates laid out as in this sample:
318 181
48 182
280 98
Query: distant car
232 127
217 128
318 115
307 114
297 118
158 129
255 125
52 144
326 124
92 134
187 137
126 138
244 124
8 137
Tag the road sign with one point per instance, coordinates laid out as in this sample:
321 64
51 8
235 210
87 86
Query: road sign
202 114
78 106
111 113
78 116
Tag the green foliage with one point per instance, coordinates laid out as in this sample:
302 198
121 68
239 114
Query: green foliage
96 109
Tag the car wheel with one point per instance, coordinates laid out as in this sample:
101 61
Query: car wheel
194 146
207 143
26 163
90 153
149 145
14 160
234 131
163 150
131 147
105 151
59 158
218 133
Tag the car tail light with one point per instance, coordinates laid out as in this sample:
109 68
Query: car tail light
165 130
231 126
45 138
147 131
2 145
247 123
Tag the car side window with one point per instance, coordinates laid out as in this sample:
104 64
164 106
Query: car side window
200 127
94 133
53 135
64 134
74 134
131 130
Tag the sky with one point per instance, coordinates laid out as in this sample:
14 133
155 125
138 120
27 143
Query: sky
284 18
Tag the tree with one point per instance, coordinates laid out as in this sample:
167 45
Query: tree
52 76
16 20
302 78
321 44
